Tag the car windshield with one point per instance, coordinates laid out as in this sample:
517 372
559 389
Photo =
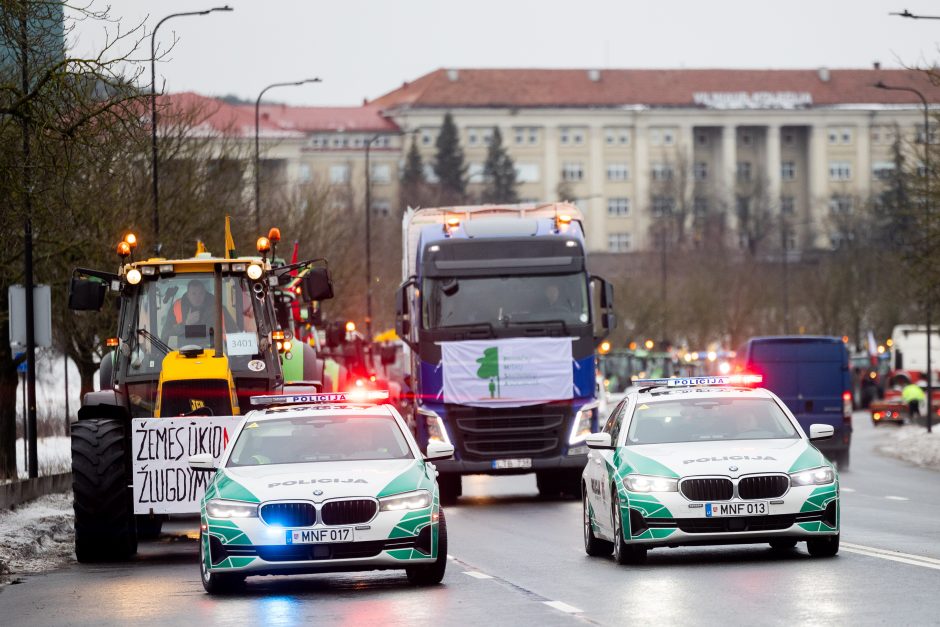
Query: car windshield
505 300
319 439
706 419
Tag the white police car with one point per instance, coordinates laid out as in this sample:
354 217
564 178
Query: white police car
315 483
706 460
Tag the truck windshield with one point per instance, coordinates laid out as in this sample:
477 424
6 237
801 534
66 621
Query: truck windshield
505 300
319 439
177 311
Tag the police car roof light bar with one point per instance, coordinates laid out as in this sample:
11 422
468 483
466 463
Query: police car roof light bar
723 380
354 396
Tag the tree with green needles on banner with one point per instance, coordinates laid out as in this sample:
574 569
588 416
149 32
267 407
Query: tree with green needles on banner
499 173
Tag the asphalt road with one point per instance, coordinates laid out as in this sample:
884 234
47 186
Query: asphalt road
519 560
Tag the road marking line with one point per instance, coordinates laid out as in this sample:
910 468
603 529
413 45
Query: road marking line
847 489
897 498
887 553
562 607
477 575
451 557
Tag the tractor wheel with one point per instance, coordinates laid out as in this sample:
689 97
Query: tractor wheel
104 514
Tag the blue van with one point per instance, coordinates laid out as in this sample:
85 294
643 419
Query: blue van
811 375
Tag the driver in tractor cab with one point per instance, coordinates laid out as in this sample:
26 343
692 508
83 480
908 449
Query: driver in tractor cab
195 307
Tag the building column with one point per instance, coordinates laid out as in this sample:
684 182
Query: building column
818 170
729 167
641 190
863 162
597 202
772 165
552 166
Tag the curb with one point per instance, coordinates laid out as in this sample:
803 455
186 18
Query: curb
21 491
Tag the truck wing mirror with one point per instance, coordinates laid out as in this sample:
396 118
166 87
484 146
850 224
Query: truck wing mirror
403 312
317 285
86 294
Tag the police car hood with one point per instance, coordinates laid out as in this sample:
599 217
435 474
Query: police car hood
276 482
718 457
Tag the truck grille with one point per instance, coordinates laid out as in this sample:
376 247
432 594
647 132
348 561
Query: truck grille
289 514
763 487
707 489
352 512
489 433
737 523
180 398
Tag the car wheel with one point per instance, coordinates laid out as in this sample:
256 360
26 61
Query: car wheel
215 583
592 545
432 574
624 553
826 546
450 487
782 544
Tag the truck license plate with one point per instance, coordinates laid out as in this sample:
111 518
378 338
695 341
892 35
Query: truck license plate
509 464
756 508
318 536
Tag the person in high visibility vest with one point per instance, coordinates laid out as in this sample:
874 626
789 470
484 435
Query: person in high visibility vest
194 308
913 395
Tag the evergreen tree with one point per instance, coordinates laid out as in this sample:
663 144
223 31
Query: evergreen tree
499 173
449 165
413 173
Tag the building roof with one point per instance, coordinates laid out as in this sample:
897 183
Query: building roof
703 88
209 115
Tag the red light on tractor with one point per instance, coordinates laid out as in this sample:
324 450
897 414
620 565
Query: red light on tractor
277 335
112 342
876 415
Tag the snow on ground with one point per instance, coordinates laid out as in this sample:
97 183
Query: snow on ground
36 536
54 454
913 444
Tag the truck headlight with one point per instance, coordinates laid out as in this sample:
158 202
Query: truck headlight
219 508
419 499
583 424
650 483
254 272
434 425
813 476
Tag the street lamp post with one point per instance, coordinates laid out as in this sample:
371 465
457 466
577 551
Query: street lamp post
929 298
258 144
153 110
369 143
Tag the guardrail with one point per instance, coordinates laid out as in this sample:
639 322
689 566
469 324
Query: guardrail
22 491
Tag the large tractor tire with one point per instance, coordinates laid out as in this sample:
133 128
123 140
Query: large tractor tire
105 528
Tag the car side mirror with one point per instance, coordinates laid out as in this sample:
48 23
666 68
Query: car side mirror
202 462
599 441
317 285
439 450
86 294
821 432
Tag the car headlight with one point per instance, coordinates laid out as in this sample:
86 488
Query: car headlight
813 476
419 499
650 483
218 508
582 426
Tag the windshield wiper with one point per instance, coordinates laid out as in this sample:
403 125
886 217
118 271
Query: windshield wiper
163 346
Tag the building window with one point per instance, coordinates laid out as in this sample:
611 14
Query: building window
662 205
840 171
616 135
787 205
662 172
304 173
833 136
427 137
920 134
618 242
429 175
839 240
339 173
381 208
472 138
744 171
655 137
475 173
788 170
381 173
840 203
618 207
528 172
565 135
846 136
700 171
572 172
618 172
700 206
523 134
577 137
882 170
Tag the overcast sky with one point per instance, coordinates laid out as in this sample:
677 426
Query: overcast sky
365 48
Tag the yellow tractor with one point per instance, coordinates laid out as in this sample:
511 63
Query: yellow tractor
196 338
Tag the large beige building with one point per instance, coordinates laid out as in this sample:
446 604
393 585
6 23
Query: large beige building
631 145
